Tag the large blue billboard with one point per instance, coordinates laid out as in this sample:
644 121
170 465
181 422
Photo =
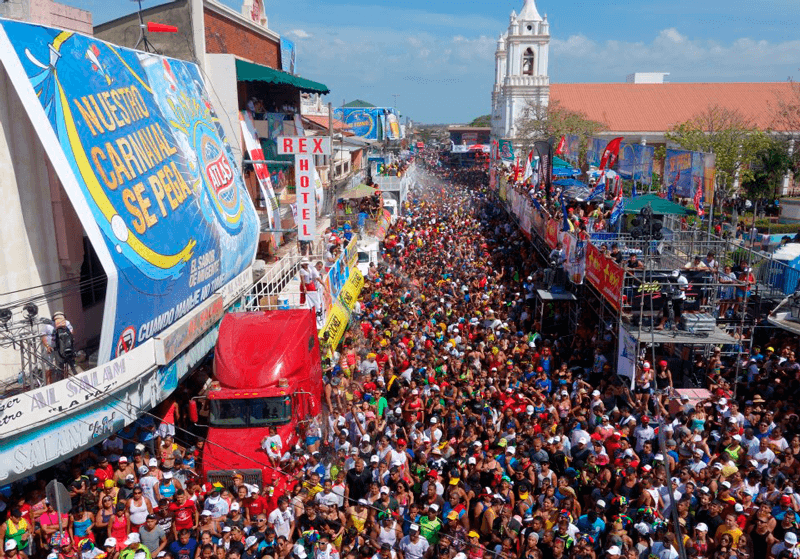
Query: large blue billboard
365 123
636 163
140 151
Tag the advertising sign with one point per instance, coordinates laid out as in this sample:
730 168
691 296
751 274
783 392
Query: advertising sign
678 172
626 357
506 150
288 56
66 434
595 151
605 275
551 234
352 288
362 122
252 144
636 162
572 149
335 326
306 198
140 151
179 336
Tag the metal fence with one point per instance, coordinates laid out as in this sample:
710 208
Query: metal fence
272 291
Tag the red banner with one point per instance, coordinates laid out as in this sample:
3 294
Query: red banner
551 235
605 274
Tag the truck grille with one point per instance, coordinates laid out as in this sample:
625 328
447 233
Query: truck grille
225 477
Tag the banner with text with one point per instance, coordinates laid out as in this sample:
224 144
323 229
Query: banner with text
636 163
605 275
142 156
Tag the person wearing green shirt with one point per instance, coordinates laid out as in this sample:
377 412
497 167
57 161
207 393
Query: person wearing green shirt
430 526
382 405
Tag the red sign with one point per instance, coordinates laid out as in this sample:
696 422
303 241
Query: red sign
551 235
605 274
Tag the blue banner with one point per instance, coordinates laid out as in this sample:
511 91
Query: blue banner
678 171
139 149
595 151
365 123
636 162
572 149
288 56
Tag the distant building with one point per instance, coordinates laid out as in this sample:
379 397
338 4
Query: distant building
47 12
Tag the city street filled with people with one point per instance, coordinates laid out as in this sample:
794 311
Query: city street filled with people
456 426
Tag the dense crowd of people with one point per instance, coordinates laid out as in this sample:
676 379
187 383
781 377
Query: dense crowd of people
457 425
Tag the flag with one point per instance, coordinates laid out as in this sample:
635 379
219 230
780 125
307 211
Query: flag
528 167
536 204
610 154
565 226
545 167
617 209
516 170
598 192
698 199
633 191
562 144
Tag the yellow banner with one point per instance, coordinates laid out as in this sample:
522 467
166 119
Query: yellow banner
352 288
351 252
335 326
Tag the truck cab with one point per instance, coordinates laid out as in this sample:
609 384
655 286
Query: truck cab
267 372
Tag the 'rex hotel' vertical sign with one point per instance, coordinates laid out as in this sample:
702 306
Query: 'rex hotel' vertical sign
304 149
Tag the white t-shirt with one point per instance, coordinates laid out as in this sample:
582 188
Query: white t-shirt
148 482
281 521
413 550
274 446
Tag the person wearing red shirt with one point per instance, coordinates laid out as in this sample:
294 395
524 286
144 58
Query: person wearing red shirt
184 513
253 506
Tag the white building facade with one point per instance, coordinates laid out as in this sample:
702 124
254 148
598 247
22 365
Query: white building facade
521 69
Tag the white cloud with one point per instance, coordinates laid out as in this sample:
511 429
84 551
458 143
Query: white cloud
299 33
580 59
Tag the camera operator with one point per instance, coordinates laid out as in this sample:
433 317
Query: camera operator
556 260
58 341
674 292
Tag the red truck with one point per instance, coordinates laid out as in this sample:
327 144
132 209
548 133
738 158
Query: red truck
267 372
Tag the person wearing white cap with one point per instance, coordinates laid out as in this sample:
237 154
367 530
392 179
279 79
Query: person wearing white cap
413 546
613 552
789 543
311 285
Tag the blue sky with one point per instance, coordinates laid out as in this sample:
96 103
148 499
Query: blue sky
438 55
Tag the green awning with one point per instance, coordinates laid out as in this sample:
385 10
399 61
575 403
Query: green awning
558 162
661 206
249 72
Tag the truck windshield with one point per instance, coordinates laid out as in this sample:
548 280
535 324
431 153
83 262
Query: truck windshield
255 412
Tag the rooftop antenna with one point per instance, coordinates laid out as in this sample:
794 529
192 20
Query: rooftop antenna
152 28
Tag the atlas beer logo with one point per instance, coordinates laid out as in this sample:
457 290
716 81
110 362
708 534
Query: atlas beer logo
219 172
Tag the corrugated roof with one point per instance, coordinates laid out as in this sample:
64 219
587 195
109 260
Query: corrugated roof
627 107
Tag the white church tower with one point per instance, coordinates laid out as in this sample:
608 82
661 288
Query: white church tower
520 69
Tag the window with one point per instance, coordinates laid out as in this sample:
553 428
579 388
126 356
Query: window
527 63
256 412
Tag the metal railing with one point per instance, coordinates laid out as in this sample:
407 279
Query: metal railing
268 293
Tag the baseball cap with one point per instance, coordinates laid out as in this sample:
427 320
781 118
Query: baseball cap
434 507
790 538
132 538
110 542
11 544
250 541
153 463
613 550
123 460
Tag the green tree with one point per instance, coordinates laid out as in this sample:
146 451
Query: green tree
734 140
769 169
483 121
539 122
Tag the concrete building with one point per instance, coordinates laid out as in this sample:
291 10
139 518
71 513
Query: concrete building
521 69
50 13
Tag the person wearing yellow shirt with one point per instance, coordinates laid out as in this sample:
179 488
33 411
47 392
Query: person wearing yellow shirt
729 527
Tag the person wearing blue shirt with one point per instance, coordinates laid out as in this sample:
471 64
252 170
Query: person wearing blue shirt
590 523
543 384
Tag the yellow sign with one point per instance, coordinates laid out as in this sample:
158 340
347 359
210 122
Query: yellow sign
335 325
351 252
352 288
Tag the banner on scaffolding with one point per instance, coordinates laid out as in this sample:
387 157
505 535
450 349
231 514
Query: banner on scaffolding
684 170
626 356
551 234
605 275
636 163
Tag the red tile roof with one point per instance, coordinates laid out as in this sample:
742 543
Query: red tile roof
627 107
323 121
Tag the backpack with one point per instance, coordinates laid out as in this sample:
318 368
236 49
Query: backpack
64 343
